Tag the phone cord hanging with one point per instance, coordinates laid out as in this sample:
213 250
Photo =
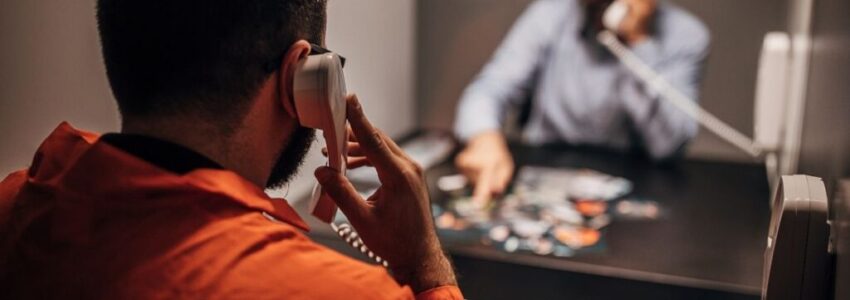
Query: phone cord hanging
347 233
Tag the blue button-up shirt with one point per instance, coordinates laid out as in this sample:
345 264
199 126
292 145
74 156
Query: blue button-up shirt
580 93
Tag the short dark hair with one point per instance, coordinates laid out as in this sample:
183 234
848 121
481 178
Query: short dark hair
207 58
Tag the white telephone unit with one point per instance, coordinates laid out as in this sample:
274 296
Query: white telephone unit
320 103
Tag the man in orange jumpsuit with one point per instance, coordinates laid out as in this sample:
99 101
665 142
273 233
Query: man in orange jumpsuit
173 205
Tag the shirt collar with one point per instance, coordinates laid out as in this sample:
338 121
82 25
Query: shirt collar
78 162
161 153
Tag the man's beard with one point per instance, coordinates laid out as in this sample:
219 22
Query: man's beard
291 157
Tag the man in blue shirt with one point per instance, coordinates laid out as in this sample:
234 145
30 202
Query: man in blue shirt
580 93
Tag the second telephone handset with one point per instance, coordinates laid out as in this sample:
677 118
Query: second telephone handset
320 93
615 14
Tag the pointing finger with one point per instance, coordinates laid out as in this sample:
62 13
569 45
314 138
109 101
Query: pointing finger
483 190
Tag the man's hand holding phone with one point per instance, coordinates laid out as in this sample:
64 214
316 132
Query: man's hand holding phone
396 221
636 27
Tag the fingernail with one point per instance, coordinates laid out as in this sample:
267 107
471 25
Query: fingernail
354 102
324 174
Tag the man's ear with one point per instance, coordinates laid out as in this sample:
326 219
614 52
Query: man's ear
288 65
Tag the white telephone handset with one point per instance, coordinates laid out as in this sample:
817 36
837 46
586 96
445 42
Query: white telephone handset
614 15
320 103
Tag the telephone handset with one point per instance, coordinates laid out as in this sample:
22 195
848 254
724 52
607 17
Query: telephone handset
320 103
615 14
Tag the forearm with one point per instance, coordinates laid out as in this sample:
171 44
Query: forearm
507 77
477 113
430 273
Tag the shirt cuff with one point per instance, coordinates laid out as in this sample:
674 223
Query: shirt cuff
446 292
472 121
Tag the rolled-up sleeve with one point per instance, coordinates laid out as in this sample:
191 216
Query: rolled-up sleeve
507 77
664 128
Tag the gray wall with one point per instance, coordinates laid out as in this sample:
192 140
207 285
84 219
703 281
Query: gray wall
50 71
456 37
825 150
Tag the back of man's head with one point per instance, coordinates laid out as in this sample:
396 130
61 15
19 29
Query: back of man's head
174 58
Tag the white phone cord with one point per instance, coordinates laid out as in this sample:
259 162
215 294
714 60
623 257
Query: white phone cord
347 233
675 97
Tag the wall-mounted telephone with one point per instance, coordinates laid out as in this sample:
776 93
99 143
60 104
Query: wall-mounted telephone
320 103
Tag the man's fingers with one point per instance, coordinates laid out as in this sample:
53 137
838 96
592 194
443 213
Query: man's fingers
483 191
343 193
500 179
357 162
465 167
372 142
353 150
350 133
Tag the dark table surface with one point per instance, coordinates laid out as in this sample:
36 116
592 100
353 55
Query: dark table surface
709 244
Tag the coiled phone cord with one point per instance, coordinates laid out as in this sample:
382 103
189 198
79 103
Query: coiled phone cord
347 233
675 97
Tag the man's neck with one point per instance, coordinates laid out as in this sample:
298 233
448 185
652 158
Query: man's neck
227 149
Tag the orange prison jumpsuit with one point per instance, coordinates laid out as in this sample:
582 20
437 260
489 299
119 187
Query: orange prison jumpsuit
88 220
